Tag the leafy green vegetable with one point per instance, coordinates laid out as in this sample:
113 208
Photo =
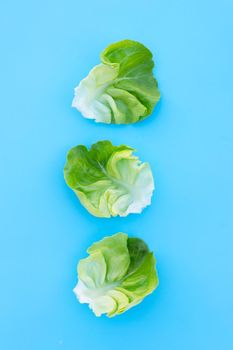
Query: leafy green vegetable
122 89
109 180
118 273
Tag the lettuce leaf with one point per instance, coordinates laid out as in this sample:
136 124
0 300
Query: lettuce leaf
118 273
109 180
122 89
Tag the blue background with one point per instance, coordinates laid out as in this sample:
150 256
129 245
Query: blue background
47 47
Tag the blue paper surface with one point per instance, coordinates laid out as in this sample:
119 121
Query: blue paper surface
47 48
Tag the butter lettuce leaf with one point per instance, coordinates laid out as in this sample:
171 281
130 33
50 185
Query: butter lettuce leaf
117 275
121 89
109 180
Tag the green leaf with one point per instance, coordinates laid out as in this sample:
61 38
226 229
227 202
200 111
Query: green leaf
117 275
122 89
109 180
